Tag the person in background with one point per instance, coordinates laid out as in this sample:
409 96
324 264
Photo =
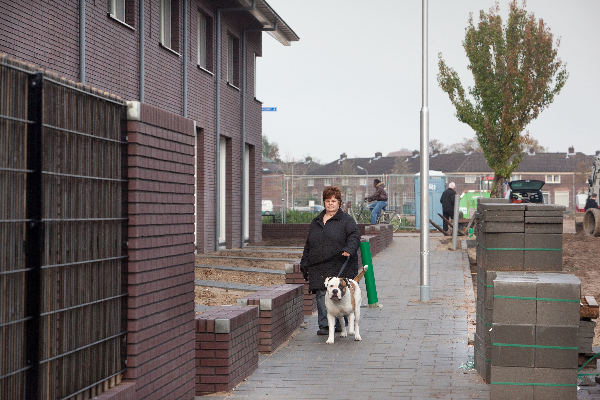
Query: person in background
447 201
333 236
379 199
591 202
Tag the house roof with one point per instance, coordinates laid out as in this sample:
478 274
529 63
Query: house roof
464 163
270 20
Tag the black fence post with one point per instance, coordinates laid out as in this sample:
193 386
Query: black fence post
34 233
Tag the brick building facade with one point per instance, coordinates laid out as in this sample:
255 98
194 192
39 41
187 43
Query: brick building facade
166 54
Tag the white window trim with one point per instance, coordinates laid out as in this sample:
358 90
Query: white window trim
114 10
554 178
470 178
310 182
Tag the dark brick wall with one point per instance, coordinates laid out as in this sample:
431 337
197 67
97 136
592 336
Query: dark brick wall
160 338
293 275
281 312
226 347
41 33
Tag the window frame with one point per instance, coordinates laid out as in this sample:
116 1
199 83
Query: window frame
554 178
205 41
233 60
470 179
128 12
310 182
169 25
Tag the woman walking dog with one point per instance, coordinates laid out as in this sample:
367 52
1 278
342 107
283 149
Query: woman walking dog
332 237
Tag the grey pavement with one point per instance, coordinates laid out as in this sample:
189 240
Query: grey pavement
410 350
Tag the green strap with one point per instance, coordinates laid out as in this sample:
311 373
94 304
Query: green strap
498 296
595 374
533 384
588 361
535 346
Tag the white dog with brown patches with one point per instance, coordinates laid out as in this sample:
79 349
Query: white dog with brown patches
343 298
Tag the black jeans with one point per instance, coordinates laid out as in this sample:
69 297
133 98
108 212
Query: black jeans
448 215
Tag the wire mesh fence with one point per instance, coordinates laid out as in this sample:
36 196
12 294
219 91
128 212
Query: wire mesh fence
62 224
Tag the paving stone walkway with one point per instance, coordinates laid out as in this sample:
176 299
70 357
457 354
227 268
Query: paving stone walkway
410 350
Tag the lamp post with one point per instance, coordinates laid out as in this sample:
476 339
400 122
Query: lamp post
363 169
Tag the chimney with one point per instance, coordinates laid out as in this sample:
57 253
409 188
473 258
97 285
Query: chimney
571 150
343 156
597 153
378 155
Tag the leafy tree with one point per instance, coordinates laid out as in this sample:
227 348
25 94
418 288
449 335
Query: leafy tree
530 144
517 74
270 149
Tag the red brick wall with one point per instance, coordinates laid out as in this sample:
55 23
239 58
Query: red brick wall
160 327
281 312
226 347
293 275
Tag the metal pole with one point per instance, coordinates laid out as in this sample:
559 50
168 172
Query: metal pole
218 132
82 41
424 261
185 59
142 52
455 221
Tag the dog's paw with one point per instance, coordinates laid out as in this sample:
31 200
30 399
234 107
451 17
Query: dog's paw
344 334
329 341
357 338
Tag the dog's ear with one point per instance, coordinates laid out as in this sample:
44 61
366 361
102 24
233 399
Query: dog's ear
327 281
346 281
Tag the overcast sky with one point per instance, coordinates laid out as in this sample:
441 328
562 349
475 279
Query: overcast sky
353 82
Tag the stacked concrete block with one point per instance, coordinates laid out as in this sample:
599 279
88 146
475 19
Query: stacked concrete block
585 338
535 320
511 237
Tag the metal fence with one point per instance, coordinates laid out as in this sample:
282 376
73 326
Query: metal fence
62 229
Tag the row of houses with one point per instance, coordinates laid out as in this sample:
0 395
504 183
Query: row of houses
291 185
193 58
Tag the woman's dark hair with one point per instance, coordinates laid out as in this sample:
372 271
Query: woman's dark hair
376 182
330 191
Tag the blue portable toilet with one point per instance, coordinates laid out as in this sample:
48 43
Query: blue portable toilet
437 185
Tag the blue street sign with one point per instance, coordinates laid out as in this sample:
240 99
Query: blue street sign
269 108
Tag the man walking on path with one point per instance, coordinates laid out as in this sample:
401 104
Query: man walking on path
447 201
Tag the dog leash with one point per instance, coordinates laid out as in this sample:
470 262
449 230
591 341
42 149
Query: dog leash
343 266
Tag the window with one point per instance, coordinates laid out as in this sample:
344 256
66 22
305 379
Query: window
515 177
552 178
326 182
345 181
310 182
169 24
204 41
122 10
363 181
470 178
233 60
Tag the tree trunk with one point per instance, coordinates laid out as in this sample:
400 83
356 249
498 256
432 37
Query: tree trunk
496 191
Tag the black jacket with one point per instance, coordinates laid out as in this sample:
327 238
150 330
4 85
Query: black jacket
447 200
322 256
590 203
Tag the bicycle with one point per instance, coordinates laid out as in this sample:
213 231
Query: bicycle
361 214
390 217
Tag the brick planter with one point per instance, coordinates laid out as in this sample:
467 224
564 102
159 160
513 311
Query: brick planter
281 312
293 275
226 347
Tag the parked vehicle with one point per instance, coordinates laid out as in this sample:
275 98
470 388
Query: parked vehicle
267 207
526 191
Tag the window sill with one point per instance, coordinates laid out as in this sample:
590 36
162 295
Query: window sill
117 20
205 70
233 86
169 49
258 101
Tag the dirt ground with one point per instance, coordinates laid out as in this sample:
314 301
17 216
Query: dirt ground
249 278
217 296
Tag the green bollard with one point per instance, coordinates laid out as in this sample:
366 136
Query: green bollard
365 252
